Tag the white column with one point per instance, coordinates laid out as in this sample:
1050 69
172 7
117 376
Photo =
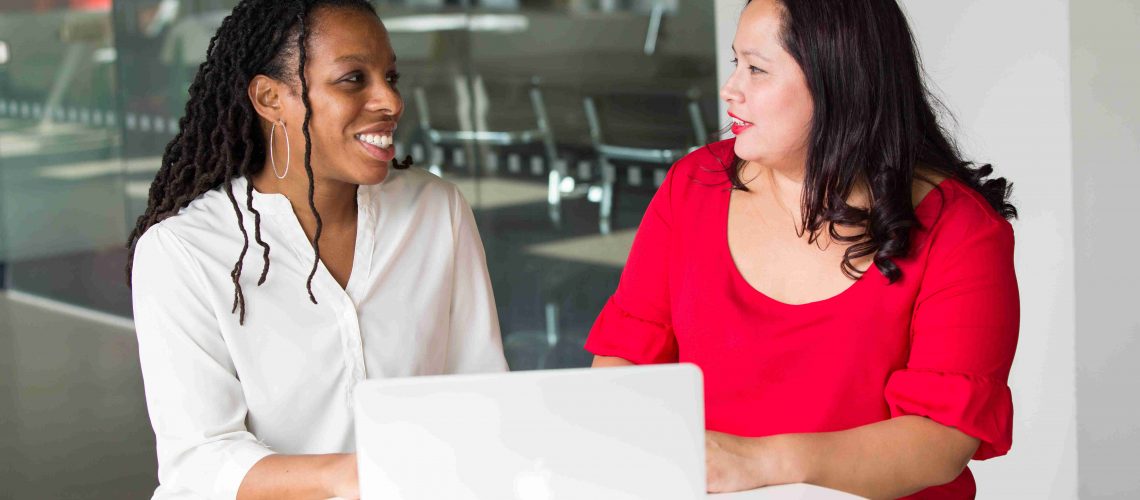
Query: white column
727 13
1106 171
1010 94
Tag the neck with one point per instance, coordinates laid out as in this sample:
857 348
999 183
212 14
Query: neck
335 201
784 182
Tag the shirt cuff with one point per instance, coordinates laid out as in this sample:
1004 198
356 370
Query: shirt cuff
980 407
640 341
240 458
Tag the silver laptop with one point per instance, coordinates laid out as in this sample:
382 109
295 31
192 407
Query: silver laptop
613 433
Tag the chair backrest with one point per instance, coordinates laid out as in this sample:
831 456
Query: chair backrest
657 120
443 103
480 104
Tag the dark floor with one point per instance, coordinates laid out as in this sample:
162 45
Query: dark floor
71 400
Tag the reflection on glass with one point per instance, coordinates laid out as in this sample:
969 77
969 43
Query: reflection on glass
498 94
61 198
67 380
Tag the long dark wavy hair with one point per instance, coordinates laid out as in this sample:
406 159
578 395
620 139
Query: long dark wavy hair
874 122
220 135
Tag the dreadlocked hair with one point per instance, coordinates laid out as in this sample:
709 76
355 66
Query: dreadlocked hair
220 137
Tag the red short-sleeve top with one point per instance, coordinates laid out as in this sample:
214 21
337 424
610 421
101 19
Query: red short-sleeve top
938 342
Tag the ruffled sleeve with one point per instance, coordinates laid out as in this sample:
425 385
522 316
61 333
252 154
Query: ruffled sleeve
964 333
977 406
636 323
640 341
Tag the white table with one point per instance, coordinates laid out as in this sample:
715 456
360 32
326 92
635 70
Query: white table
787 492
782 492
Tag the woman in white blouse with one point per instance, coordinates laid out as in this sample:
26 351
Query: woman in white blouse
284 256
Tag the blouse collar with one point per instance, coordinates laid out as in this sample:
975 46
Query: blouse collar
277 203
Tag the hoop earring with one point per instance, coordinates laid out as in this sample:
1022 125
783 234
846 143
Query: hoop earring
288 151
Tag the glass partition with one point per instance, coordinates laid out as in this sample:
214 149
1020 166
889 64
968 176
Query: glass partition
61 202
74 422
514 78
557 118
511 100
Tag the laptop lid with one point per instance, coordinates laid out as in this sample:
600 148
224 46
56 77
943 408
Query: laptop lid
614 433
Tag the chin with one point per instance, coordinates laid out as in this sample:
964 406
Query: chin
747 151
373 175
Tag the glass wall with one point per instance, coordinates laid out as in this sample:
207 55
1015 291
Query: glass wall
61 203
74 422
510 66
557 118
512 100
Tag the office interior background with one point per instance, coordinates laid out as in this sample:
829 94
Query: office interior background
91 91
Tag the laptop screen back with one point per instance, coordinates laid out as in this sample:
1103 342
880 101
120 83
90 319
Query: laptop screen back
614 433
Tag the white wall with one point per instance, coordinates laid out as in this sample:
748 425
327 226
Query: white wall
726 14
1010 94
1106 160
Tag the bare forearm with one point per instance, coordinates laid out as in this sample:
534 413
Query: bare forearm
886 459
609 361
300 476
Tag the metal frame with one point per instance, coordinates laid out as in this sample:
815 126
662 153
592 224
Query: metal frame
474 134
607 152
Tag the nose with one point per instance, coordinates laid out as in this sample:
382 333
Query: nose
730 91
385 99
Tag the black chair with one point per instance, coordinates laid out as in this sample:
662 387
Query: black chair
472 131
661 140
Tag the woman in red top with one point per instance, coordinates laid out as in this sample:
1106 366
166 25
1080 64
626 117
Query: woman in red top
842 277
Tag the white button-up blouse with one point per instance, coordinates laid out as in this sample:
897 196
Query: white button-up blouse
222 396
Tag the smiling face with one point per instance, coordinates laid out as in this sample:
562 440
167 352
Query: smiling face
351 74
767 95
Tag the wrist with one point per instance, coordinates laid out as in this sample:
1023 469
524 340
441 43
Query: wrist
338 469
780 460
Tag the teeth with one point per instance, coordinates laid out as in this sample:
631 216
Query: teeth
380 141
738 121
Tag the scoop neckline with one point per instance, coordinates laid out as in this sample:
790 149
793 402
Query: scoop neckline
739 280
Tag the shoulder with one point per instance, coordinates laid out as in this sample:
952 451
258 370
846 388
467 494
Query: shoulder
162 255
204 231
416 180
209 214
416 192
701 173
954 214
708 163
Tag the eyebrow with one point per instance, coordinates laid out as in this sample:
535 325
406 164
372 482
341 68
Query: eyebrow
754 53
361 59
